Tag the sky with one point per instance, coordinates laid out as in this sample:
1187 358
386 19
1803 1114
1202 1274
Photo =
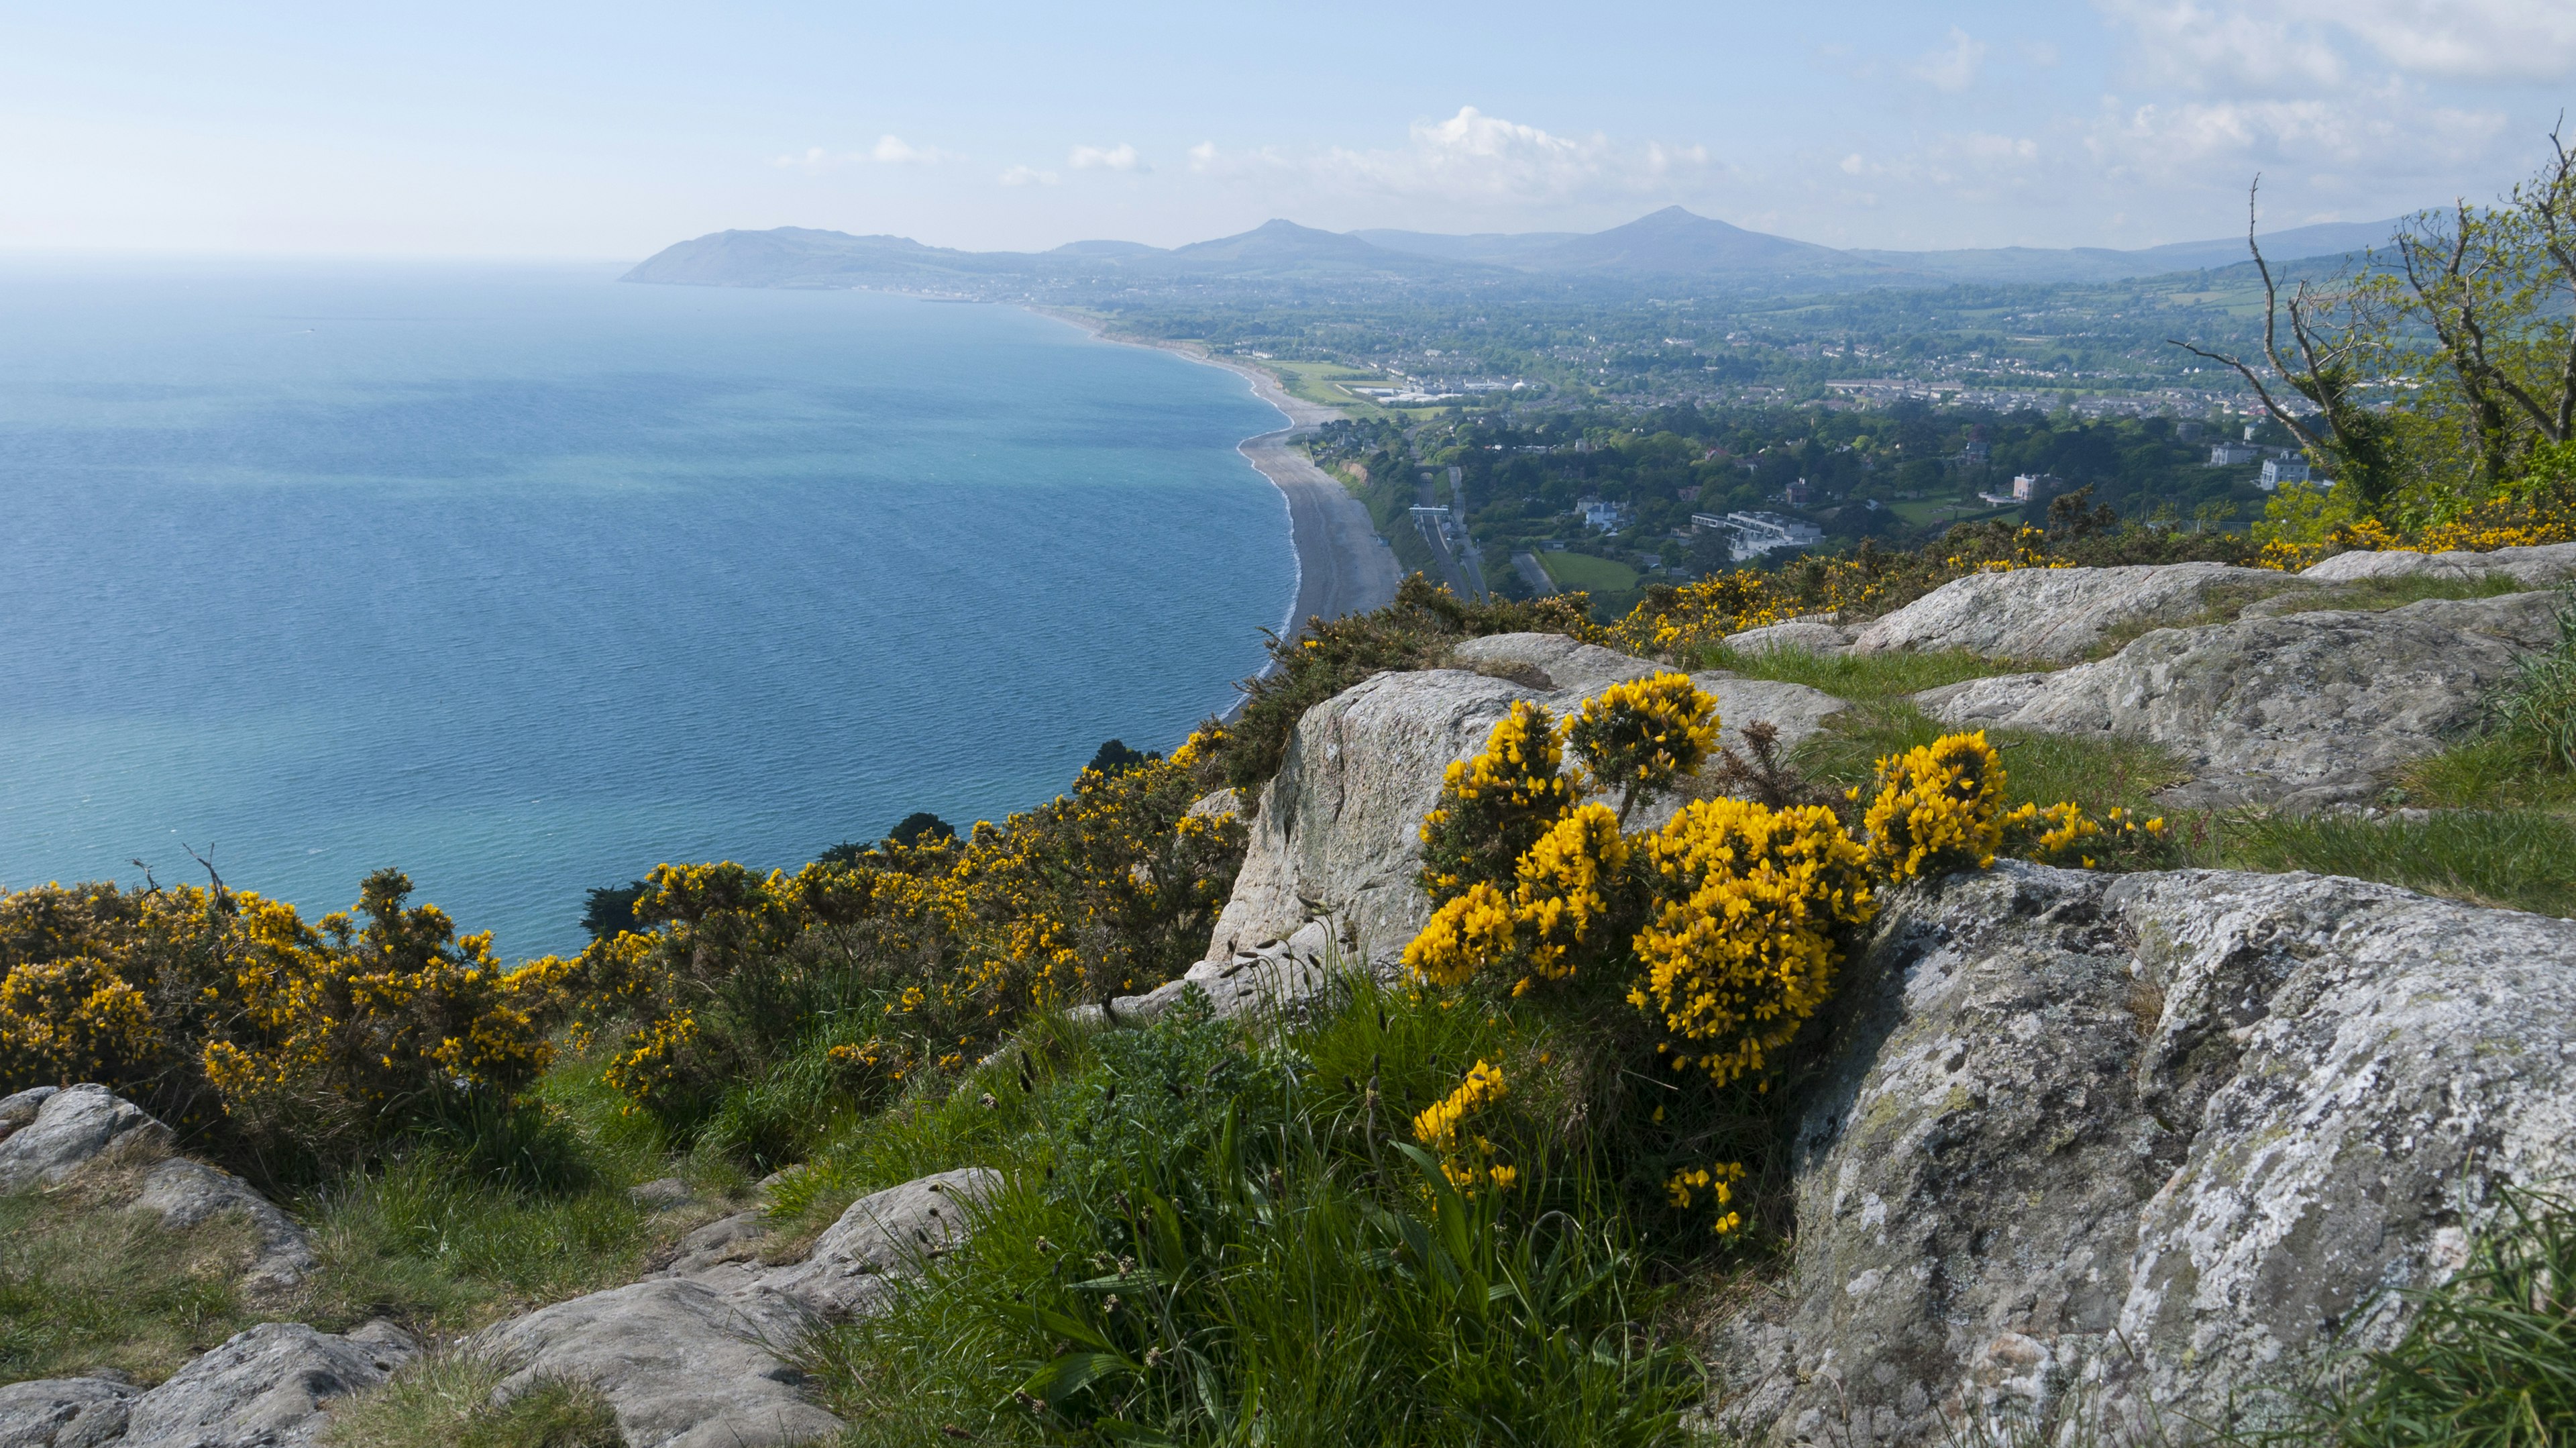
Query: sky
605 132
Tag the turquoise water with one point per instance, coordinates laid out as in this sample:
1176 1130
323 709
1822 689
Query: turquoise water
524 580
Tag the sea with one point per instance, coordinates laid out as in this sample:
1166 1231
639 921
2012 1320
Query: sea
522 579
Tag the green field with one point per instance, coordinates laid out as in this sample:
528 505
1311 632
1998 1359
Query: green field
1927 512
1315 382
1592 575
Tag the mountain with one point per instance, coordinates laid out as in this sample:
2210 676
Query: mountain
1669 246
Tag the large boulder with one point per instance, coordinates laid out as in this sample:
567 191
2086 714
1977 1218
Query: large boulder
70 1129
2060 615
1798 635
682 1364
2302 707
2540 566
883 1236
266 1387
64 1413
1338 830
2168 1139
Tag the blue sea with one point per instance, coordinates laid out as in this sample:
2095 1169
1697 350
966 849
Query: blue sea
523 579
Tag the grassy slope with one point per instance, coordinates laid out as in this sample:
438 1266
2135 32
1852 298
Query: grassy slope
1592 575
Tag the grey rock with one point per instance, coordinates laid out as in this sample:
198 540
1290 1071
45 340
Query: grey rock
1337 832
184 1193
2538 566
20 1107
71 1129
1280 978
63 1412
1808 635
682 1364
736 1238
1217 802
881 1236
264 1388
2267 706
2157 1139
2059 615
663 1194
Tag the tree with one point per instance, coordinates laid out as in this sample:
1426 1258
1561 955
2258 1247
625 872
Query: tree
1114 757
920 830
2332 331
610 909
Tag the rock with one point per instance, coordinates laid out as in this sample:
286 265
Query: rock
265 1388
2540 566
736 1238
1337 831
2156 1138
63 1412
1809 635
883 1235
2060 615
664 1194
1217 802
184 1193
20 1107
682 1364
2312 705
1279 978
72 1128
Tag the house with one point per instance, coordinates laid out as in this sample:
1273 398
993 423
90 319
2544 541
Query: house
2027 486
1604 517
1796 494
2284 470
1750 535
2232 454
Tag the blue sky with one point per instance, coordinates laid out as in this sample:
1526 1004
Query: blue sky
607 131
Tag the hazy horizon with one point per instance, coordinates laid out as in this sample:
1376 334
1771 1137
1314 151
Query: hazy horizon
579 132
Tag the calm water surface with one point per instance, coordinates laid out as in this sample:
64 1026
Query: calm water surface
523 580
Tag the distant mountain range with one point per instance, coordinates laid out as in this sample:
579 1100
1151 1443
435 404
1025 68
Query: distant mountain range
1671 245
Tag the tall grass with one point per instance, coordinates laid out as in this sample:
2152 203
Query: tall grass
1862 678
2512 859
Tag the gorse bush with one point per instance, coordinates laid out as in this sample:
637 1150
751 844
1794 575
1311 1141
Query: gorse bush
756 1004
291 1044
1702 946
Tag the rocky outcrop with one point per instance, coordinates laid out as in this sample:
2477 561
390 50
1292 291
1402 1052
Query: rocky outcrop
2060 615
267 1387
694 1356
184 1193
2302 708
1337 831
70 1128
1798 635
2539 567
2149 1139
64 1413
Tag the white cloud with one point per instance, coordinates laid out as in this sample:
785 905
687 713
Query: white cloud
1121 157
1953 67
2319 44
1475 159
1027 176
2230 48
2386 131
2458 39
888 151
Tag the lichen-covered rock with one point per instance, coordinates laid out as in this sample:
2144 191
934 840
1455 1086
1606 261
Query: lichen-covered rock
2539 566
1337 833
682 1364
72 1128
266 1387
2154 1139
1803 635
2319 704
19 1108
184 1193
64 1413
881 1236
2059 615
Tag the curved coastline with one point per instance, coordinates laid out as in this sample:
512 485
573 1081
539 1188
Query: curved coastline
1343 567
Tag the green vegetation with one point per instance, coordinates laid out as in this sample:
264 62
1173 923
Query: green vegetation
2516 859
445 1401
2375 595
1587 572
84 1286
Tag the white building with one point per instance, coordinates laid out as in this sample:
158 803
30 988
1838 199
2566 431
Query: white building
1750 535
2233 454
1605 517
2284 470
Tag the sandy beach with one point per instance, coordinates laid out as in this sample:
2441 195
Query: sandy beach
1342 565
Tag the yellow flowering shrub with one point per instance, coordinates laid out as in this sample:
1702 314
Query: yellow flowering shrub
1444 1127
73 1020
1639 736
2064 834
1494 806
1936 807
1470 929
1565 889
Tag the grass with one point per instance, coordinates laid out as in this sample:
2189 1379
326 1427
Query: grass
86 1285
1862 679
445 1401
1314 382
2375 595
2511 859
1592 575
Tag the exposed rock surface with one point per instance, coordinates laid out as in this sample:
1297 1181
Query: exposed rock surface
2162 1135
184 1193
1337 832
1808 635
2302 708
264 1388
2538 566
70 1129
64 1413
691 1357
2059 615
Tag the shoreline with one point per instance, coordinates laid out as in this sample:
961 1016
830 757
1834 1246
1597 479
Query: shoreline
1343 567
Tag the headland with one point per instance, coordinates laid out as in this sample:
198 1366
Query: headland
1343 567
